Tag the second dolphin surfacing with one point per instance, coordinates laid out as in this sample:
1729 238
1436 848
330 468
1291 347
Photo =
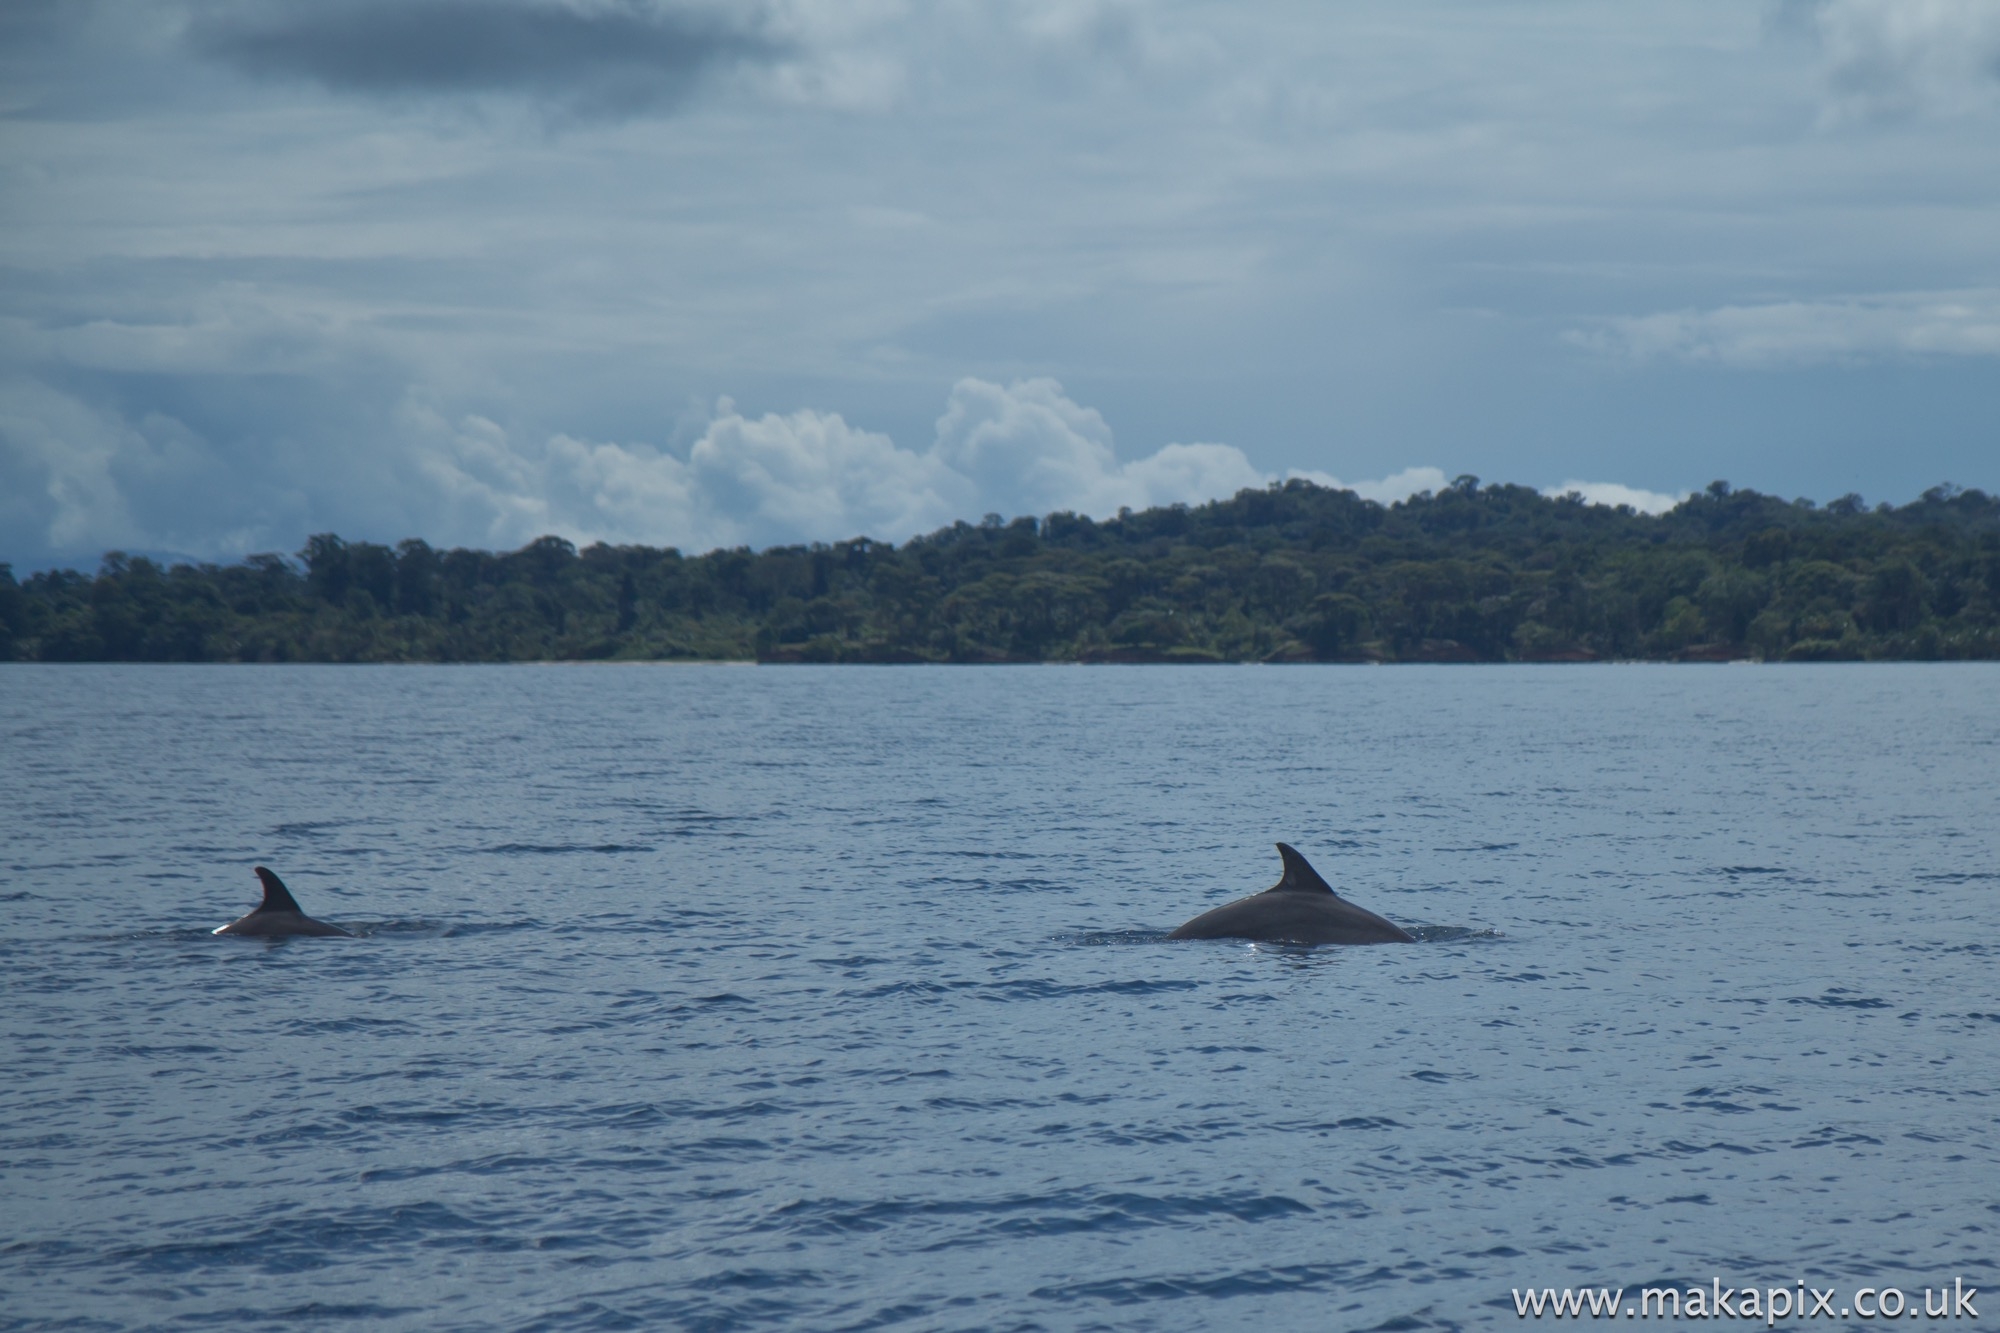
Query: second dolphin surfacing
1301 908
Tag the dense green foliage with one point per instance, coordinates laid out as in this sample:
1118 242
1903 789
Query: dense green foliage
1293 573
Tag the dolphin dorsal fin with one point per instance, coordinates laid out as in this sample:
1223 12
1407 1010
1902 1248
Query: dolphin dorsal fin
278 898
1300 877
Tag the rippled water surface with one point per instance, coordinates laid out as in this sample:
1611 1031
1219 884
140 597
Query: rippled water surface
716 998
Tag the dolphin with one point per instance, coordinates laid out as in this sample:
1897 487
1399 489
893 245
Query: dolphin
1301 908
277 915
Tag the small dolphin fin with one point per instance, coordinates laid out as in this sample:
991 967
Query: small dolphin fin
1300 877
278 898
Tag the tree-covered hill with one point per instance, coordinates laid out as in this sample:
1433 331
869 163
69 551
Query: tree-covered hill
1296 572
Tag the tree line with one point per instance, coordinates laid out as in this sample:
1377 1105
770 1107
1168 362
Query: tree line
1292 573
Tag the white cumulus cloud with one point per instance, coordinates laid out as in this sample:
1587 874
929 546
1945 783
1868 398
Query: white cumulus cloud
1020 448
802 476
1389 490
62 456
480 484
84 480
1027 449
1612 494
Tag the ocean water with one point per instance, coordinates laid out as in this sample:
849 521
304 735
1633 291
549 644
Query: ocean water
723 998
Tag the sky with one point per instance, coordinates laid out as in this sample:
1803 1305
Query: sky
695 273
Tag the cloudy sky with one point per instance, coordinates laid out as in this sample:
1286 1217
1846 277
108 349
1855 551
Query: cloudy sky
702 273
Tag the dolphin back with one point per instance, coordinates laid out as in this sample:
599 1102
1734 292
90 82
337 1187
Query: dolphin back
278 915
1301 908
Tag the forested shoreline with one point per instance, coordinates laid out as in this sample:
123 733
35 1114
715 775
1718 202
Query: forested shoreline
1292 573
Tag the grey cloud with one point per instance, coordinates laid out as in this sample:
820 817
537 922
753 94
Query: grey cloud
1888 59
617 57
1845 330
1340 237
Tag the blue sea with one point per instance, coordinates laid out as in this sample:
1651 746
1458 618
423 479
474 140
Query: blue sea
717 998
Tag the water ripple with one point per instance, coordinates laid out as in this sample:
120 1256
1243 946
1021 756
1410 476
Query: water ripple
842 999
